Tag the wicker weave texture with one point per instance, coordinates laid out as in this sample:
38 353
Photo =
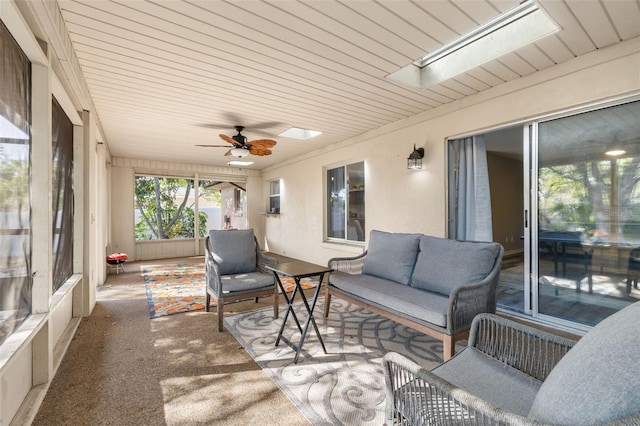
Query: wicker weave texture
416 396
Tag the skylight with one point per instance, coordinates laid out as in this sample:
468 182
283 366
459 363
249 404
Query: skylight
301 134
512 30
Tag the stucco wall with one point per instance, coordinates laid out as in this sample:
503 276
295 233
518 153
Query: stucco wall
400 200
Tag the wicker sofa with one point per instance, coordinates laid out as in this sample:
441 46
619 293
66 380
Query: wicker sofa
513 374
434 285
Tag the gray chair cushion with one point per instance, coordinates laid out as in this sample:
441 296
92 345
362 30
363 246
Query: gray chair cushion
405 300
598 380
234 250
391 255
252 281
491 380
436 272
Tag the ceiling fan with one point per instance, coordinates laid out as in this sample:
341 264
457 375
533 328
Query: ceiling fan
242 147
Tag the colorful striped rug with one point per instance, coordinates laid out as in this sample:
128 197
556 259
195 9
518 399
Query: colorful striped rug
176 288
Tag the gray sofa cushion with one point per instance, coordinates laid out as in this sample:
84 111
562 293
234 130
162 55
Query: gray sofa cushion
490 380
436 272
423 306
598 380
391 255
234 250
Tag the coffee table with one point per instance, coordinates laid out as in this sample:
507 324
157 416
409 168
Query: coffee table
298 270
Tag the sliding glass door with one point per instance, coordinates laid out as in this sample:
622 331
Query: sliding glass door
587 235
565 204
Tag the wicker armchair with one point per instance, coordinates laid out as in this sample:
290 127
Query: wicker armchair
501 379
235 270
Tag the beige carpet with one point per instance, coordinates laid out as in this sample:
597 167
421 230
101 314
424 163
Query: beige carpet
123 368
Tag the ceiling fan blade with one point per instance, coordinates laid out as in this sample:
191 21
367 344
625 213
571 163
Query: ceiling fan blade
265 125
227 153
229 140
219 126
263 143
214 146
259 151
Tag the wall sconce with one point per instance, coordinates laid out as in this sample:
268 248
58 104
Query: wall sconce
414 162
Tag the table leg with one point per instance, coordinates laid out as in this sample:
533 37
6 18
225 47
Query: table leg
310 318
289 302
289 310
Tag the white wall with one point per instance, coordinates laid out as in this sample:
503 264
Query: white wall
400 200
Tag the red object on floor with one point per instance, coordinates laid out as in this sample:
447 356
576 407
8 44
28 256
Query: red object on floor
117 260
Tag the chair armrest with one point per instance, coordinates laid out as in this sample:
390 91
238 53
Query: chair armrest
416 396
212 272
349 265
264 260
533 351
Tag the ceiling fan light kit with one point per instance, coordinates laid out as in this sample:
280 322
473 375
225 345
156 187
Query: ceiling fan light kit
239 152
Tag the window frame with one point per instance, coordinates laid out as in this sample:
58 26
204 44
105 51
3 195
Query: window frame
347 191
191 179
273 203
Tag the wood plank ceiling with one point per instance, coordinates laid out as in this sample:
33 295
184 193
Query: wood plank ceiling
168 75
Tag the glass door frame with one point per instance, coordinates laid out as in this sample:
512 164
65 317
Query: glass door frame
531 213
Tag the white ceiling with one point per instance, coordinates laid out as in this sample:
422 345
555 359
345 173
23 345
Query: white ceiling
168 75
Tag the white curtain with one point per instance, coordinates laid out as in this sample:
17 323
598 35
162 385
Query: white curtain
472 198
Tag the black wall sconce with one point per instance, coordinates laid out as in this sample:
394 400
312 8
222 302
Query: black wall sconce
414 162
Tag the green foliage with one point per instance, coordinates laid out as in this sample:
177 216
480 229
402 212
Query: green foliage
581 196
165 212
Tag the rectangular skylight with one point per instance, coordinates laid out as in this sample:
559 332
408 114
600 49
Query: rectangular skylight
239 163
512 30
301 134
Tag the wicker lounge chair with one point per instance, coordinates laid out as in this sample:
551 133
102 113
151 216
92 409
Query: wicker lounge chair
512 374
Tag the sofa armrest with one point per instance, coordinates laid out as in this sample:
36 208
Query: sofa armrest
349 265
533 351
416 396
467 301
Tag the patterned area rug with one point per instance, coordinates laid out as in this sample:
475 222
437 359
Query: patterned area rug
176 288
346 385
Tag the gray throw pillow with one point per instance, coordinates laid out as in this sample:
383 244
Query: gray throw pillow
598 380
445 264
391 255
234 250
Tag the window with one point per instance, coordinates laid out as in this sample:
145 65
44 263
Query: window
164 208
62 196
274 196
238 200
345 202
15 203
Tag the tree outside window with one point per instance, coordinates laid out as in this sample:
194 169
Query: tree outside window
165 209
